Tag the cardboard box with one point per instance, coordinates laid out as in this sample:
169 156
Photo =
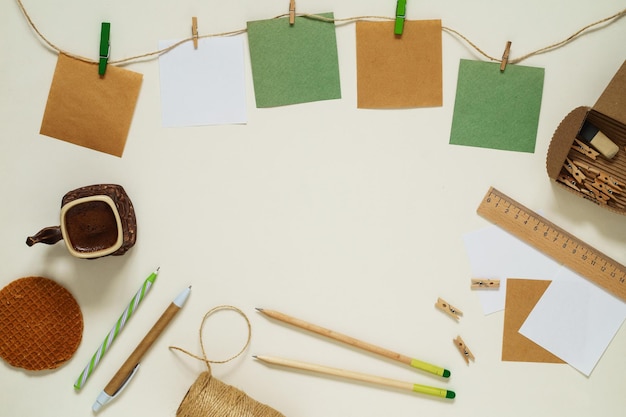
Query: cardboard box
593 177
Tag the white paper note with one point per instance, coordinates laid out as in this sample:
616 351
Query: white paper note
204 86
575 320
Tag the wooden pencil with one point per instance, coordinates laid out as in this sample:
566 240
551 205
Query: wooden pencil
357 376
416 363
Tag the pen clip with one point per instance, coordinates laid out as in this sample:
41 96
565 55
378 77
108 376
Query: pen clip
130 376
105 398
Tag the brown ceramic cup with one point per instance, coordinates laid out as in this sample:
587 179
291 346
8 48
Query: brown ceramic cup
96 221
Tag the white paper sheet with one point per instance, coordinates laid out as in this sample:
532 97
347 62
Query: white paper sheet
204 86
496 254
575 320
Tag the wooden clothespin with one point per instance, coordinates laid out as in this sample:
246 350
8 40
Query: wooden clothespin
105 47
595 194
575 171
569 181
292 12
480 284
505 56
604 188
467 354
400 16
450 310
607 179
194 31
584 149
589 170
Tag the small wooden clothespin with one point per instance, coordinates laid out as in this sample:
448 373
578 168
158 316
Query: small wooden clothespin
505 56
481 284
450 310
569 181
589 170
105 47
467 354
194 31
605 188
607 179
292 12
585 150
595 194
400 16
575 171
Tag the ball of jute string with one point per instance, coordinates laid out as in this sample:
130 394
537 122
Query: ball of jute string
210 397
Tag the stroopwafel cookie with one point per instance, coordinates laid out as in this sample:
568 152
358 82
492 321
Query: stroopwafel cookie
41 324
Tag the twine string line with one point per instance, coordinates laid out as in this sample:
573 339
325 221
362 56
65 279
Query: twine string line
176 45
204 357
575 35
470 43
155 54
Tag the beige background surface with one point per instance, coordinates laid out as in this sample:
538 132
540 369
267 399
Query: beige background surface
351 219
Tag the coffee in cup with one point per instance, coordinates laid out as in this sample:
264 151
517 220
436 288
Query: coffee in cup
96 221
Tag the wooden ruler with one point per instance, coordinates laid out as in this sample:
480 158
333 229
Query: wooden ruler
554 242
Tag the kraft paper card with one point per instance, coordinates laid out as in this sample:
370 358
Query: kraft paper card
521 297
88 110
399 71
204 86
497 110
293 63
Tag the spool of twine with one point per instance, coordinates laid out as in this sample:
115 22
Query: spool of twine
210 397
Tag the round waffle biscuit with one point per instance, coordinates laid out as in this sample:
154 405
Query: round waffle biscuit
41 324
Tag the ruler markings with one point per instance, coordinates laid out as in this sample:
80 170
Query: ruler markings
554 241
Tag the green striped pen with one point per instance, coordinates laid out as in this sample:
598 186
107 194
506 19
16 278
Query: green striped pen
117 328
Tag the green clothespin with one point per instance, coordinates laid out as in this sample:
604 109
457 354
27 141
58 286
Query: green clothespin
400 15
105 47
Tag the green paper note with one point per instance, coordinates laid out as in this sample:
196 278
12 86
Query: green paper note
293 63
498 110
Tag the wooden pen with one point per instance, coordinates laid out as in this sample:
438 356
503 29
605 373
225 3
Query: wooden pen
128 369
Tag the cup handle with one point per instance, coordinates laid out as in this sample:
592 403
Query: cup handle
48 235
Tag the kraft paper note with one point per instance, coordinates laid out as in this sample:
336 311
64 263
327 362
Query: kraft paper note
294 63
521 297
86 109
494 109
399 71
